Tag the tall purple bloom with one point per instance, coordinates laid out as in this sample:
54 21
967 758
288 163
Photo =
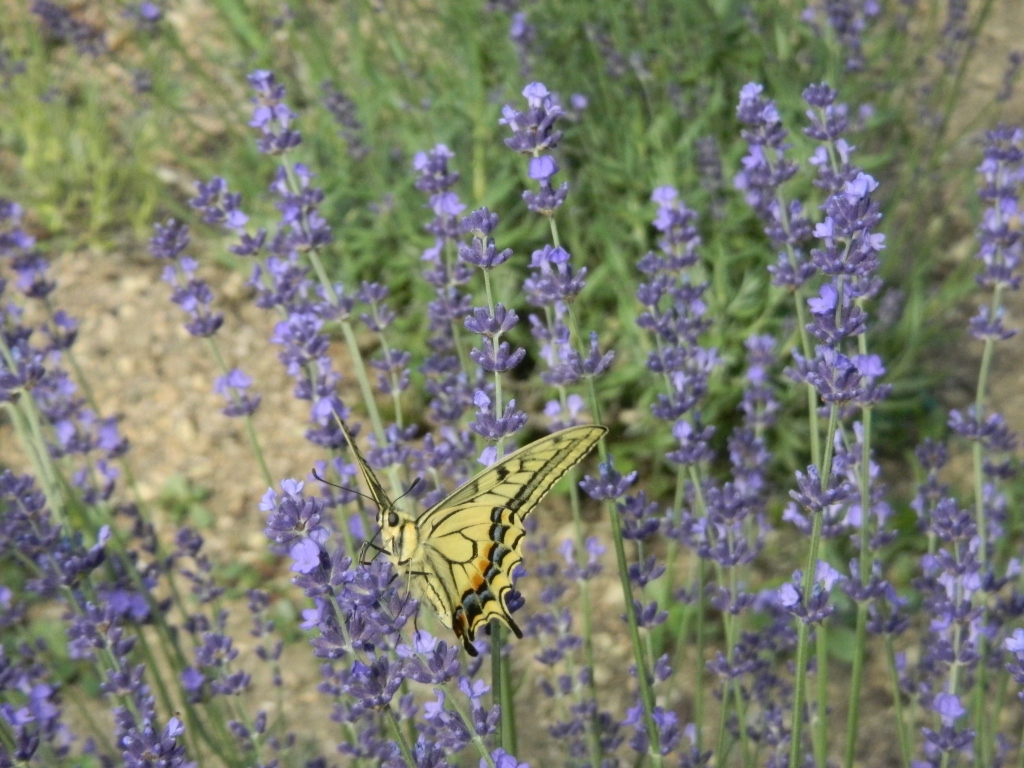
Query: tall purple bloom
60 25
533 129
345 114
450 380
849 20
765 168
194 295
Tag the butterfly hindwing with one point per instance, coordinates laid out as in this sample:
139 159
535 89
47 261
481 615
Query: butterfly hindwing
468 580
470 541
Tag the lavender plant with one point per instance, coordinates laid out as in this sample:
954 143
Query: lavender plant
147 665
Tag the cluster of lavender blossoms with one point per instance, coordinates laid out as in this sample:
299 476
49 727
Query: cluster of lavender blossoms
710 647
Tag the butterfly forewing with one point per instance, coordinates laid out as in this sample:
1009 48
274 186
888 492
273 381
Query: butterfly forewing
521 479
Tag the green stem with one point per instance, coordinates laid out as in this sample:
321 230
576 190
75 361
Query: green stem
698 667
396 731
897 699
481 748
50 474
365 389
864 483
821 711
581 556
856 683
981 741
250 428
506 723
362 377
730 624
508 720
801 319
500 673
803 631
28 446
643 677
646 691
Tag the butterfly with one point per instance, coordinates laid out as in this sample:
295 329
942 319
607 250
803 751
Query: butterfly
459 554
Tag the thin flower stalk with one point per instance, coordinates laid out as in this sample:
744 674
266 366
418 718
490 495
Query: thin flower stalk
73 430
849 257
765 169
194 295
495 420
282 284
828 123
554 284
1000 248
675 314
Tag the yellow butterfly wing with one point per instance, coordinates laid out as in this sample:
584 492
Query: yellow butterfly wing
469 541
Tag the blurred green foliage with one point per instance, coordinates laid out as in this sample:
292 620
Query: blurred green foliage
184 500
96 157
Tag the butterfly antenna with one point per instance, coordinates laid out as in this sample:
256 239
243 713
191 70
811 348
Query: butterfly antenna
369 542
410 490
342 487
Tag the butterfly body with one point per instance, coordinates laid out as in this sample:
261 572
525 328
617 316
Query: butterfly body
401 537
459 555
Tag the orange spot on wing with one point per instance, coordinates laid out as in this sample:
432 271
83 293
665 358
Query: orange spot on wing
459 623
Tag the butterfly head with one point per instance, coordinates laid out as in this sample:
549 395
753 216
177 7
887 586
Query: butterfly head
400 534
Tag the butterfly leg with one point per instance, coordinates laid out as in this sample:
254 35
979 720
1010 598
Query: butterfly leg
370 545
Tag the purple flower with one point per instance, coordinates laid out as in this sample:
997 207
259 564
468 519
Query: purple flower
147 15
190 293
813 608
849 19
234 388
523 35
433 174
61 26
609 484
542 168
31 268
169 240
345 114
765 169
548 199
533 129
144 746
481 251
429 660
271 115
503 759
302 227
675 313
293 516
492 427
218 206
948 707
552 278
